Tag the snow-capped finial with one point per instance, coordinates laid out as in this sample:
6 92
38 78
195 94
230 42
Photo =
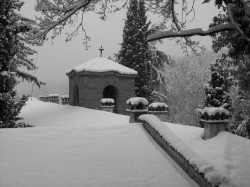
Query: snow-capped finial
101 49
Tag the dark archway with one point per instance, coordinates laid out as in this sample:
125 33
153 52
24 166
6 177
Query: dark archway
76 96
111 92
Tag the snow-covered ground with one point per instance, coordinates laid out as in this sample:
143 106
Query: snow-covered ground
224 158
74 146
228 153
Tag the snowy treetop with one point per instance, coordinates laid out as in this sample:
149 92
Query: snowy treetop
136 101
101 64
213 110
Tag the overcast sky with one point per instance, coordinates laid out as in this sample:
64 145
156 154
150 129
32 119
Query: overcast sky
55 58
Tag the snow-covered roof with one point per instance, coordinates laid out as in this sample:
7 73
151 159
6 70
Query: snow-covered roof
101 64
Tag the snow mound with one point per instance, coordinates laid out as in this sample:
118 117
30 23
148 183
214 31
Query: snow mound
46 114
137 100
101 64
210 173
75 146
157 104
107 100
213 110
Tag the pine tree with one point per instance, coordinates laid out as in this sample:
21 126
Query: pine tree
217 90
14 54
135 52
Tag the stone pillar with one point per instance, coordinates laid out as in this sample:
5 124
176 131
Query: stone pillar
134 115
214 120
162 115
54 98
107 108
212 128
65 99
137 106
107 104
160 110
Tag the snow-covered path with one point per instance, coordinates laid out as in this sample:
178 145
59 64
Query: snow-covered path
107 153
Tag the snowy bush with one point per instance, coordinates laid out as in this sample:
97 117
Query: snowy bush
137 103
157 106
214 113
107 102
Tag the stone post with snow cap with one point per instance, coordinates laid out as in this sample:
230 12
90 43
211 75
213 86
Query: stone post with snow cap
54 98
137 106
160 110
107 104
65 99
215 120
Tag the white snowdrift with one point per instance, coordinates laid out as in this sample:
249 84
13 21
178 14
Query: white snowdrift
227 153
200 164
74 146
45 114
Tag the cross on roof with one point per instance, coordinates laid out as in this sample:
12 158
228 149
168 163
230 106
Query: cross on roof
101 49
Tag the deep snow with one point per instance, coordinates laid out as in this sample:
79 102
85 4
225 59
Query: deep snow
75 146
224 158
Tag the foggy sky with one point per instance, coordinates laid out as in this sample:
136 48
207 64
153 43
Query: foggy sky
55 58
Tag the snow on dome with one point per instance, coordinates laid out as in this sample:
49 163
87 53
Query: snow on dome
101 64
213 110
136 101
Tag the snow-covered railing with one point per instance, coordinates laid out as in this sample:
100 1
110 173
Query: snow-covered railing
107 104
197 168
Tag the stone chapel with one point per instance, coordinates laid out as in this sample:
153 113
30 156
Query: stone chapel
101 78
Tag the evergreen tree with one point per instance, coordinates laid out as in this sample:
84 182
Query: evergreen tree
135 52
217 90
14 54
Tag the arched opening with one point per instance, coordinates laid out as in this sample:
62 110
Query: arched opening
111 92
76 96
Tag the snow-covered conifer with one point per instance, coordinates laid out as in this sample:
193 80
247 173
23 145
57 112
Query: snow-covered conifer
14 54
135 52
217 89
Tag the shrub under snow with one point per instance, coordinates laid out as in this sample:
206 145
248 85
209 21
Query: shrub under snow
214 113
137 103
158 106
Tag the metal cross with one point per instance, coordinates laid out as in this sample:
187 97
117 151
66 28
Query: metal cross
101 49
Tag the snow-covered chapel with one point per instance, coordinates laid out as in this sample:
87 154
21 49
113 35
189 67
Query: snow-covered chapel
101 78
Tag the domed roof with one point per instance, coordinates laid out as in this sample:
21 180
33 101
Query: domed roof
101 65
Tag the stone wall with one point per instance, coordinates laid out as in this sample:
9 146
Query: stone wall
91 86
